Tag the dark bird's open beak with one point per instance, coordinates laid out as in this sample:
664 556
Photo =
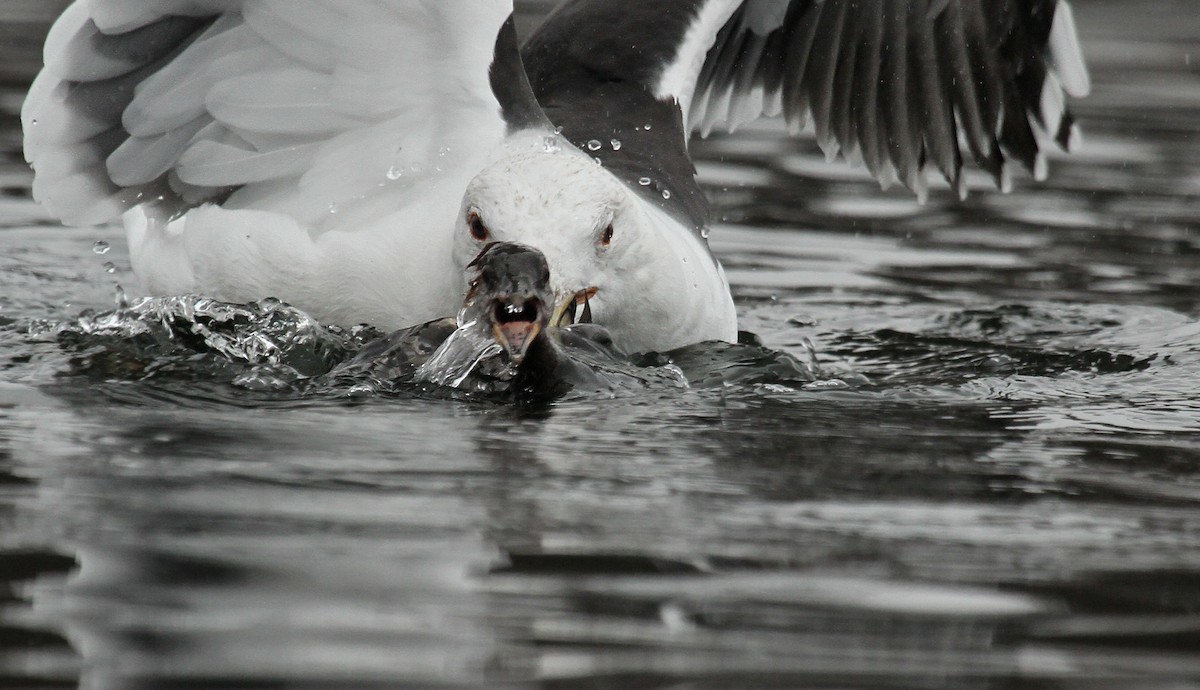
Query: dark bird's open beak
511 296
516 323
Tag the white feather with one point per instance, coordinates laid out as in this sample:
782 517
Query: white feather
1065 54
678 78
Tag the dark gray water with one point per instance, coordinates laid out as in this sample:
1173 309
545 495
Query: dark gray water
995 483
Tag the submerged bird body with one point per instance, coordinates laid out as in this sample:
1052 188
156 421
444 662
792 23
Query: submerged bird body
353 158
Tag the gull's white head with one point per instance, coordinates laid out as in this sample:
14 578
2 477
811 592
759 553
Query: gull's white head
634 270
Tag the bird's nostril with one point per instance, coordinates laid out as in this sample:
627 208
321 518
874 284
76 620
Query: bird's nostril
511 312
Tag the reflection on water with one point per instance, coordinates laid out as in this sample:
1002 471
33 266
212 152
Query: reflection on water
994 483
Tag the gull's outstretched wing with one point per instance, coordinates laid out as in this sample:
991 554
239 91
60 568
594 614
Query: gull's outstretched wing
294 106
897 84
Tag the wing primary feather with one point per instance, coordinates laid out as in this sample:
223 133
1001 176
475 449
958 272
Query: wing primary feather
914 173
842 104
747 81
983 59
1066 57
821 71
774 55
953 45
799 52
934 93
1016 136
894 104
866 97
724 77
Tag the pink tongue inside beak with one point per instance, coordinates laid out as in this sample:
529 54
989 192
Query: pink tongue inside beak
518 335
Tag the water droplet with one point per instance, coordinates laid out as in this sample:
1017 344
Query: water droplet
558 130
616 144
443 150
644 181
110 267
666 194
101 247
598 161
704 233
647 127
594 145
551 144
33 122
333 208
395 173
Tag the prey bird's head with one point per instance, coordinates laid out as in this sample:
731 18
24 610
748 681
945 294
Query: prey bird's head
509 296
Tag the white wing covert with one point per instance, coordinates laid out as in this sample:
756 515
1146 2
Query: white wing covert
294 106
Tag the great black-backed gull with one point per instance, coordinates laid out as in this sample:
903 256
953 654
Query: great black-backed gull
353 156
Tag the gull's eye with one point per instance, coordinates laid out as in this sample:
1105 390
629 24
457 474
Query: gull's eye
606 236
478 230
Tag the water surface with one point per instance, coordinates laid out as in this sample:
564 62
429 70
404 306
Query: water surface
998 485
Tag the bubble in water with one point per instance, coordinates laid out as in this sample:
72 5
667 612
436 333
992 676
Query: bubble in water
644 181
110 267
594 145
101 247
616 144
666 194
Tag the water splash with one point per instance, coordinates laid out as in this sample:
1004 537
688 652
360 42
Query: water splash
196 336
458 357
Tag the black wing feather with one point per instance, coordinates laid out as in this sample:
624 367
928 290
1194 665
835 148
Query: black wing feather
901 83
